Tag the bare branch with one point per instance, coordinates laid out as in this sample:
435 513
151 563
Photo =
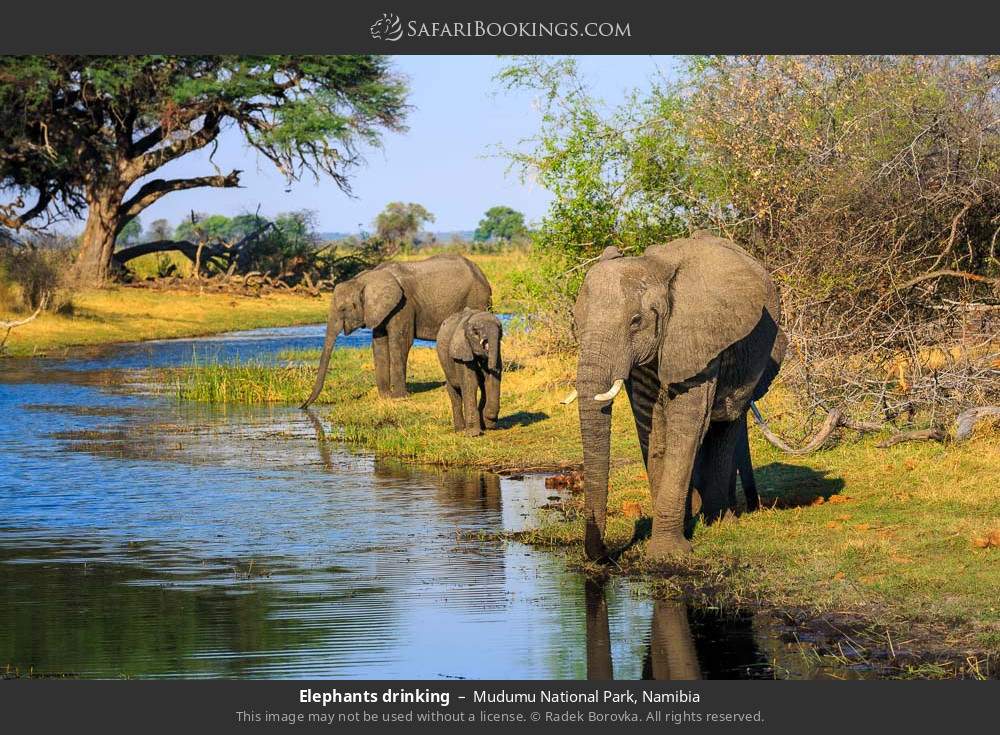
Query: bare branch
948 273
17 221
935 434
153 190
9 326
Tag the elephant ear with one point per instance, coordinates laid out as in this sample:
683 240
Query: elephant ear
717 297
382 294
459 347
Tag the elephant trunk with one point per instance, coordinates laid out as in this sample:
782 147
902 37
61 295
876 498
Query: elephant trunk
598 369
333 328
595 429
493 355
603 361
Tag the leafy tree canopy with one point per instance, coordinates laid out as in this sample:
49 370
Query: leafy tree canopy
500 223
399 223
131 233
79 131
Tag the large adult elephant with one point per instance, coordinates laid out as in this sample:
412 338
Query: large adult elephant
690 330
401 302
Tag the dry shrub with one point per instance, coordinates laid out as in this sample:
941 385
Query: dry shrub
29 276
870 186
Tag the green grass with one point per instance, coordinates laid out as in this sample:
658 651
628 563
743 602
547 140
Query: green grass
884 536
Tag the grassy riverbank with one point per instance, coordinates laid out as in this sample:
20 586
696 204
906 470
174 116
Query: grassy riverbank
883 546
122 314
887 538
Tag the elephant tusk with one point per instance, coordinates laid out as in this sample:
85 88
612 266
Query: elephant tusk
570 398
615 388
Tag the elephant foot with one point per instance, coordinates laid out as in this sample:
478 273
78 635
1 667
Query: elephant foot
398 395
473 432
661 549
490 424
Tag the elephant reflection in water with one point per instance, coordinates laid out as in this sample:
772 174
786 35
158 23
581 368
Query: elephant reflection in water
455 488
325 455
470 489
671 655
480 490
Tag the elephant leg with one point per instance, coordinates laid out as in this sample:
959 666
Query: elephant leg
470 402
643 388
744 464
717 469
491 413
456 406
380 350
682 423
672 650
400 341
656 439
481 403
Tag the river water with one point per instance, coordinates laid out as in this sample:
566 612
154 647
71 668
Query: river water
145 537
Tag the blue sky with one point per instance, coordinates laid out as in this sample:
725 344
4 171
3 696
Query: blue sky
444 160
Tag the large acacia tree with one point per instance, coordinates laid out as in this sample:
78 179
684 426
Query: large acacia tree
86 134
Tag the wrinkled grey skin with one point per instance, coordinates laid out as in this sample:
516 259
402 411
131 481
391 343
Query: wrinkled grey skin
401 302
691 327
468 348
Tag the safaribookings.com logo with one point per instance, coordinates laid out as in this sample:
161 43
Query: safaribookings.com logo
387 28
390 28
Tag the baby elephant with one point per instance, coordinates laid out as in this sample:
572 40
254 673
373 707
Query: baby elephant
468 347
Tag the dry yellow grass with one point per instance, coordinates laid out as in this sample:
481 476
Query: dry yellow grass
122 314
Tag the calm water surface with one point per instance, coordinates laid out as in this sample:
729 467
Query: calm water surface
144 537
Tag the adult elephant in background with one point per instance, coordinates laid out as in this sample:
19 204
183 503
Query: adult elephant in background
690 330
401 302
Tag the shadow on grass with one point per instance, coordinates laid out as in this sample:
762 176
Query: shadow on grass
780 485
521 418
642 530
424 386
792 486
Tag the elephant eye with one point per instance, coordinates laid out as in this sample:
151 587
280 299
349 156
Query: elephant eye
635 321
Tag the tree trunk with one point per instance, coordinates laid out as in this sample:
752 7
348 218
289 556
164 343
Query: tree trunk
97 243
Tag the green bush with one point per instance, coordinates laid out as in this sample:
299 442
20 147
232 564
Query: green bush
868 185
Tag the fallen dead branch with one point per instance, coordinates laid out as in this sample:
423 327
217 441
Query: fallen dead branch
934 434
8 327
835 418
967 420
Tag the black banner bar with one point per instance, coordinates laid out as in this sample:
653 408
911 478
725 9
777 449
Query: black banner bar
452 27
255 706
